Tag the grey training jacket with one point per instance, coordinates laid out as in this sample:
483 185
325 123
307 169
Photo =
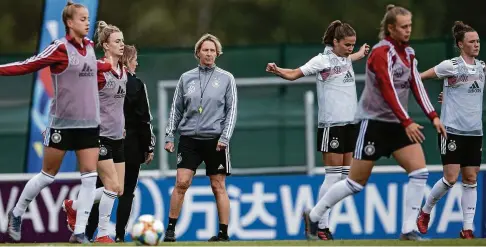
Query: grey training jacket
214 116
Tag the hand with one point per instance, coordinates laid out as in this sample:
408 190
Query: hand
120 191
169 147
439 127
272 68
44 133
441 97
414 133
149 157
221 146
124 133
364 50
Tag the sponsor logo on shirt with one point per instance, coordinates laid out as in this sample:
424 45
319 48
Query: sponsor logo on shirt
86 71
474 88
348 77
120 93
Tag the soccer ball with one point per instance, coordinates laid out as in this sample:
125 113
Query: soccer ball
147 230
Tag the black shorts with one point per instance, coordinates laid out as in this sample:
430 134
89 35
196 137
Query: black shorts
337 139
192 152
112 149
72 139
463 150
379 139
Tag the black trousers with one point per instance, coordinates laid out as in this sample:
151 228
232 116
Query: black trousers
134 157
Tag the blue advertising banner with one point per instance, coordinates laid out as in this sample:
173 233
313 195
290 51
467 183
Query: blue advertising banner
52 29
262 208
270 207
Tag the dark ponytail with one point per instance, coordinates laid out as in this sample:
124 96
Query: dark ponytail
337 30
459 30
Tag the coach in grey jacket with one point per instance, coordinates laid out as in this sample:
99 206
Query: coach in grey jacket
204 112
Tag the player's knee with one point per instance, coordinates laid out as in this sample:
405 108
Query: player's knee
218 187
183 185
469 178
451 179
52 171
113 185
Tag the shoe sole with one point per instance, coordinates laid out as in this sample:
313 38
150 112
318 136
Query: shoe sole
12 237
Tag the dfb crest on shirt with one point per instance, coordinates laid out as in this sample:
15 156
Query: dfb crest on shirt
370 149
398 72
110 83
73 60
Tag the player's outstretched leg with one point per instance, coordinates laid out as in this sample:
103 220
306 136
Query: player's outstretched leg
438 191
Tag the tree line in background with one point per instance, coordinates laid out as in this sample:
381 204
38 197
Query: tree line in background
179 23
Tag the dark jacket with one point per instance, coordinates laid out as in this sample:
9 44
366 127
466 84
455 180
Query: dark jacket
139 130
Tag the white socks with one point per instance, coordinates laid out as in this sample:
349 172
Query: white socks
85 200
31 190
333 175
413 198
336 193
468 204
438 191
105 208
345 171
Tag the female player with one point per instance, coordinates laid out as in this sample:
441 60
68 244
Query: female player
386 128
462 111
204 112
111 161
139 144
74 116
336 91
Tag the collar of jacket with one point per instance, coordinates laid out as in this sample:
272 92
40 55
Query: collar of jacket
205 68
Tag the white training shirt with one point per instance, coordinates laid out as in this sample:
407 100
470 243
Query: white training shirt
462 104
336 88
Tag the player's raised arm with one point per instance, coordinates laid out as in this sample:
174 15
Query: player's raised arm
52 54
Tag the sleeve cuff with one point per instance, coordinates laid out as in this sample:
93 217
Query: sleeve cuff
169 139
224 140
407 122
433 115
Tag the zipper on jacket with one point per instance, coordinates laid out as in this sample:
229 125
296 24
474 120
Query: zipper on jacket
199 114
